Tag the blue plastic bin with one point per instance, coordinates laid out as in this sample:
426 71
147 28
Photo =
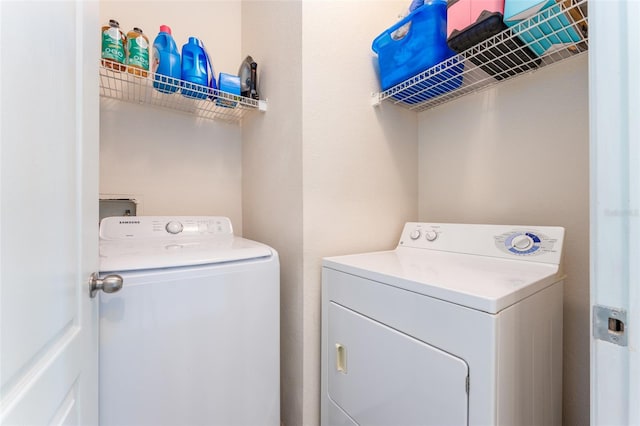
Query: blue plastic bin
422 47
550 28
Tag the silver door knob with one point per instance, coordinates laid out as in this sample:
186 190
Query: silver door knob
108 284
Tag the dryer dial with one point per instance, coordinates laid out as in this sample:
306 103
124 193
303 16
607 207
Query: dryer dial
522 242
431 235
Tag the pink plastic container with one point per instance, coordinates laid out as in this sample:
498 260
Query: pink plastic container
463 13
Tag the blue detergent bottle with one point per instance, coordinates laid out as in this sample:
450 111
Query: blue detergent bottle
195 75
166 62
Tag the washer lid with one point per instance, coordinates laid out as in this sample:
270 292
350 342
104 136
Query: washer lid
488 284
152 242
137 255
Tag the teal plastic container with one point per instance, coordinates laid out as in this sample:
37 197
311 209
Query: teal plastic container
195 75
541 24
166 62
423 46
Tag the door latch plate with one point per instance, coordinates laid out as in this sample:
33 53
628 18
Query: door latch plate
610 324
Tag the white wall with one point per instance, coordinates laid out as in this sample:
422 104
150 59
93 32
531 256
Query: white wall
519 154
324 173
176 164
272 171
359 162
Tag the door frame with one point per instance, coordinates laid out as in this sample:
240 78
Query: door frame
614 60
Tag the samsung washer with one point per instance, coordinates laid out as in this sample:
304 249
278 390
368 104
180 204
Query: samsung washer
193 335
459 325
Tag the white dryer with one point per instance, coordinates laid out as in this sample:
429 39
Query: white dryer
192 338
459 325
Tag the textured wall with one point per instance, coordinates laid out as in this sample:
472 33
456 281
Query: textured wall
324 172
359 162
519 154
272 171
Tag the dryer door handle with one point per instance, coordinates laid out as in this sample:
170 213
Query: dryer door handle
341 358
108 284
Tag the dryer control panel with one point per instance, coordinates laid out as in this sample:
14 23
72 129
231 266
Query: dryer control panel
534 243
525 242
144 227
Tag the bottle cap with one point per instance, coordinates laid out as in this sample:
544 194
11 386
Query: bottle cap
138 30
113 23
165 29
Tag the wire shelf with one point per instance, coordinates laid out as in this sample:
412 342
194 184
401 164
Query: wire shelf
203 102
553 35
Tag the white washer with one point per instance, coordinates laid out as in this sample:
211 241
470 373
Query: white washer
459 325
193 336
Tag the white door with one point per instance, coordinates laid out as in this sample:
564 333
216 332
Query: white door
614 96
48 211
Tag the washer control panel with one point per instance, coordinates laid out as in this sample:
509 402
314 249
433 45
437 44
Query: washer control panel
137 227
535 243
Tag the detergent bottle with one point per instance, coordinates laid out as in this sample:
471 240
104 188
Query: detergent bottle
113 46
137 53
195 73
166 62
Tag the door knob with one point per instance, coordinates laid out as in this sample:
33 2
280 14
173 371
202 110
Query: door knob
108 284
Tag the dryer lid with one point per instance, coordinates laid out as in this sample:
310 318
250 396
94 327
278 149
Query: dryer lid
482 283
484 267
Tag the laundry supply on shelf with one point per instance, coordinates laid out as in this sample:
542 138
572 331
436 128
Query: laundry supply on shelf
470 22
248 73
166 62
461 14
541 24
195 70
423 46
230 84
254 81
113 46
137 53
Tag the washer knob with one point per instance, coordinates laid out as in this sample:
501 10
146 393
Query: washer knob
174 227
415 234
522 242
431 235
